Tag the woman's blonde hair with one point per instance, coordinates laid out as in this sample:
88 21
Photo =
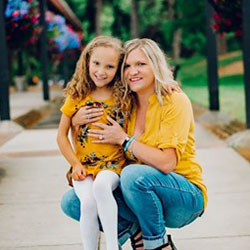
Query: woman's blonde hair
162 73
81 84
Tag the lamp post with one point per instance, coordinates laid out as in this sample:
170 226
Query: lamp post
4 74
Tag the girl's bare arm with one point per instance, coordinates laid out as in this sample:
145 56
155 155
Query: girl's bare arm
67 150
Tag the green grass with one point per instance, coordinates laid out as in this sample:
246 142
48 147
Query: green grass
193 78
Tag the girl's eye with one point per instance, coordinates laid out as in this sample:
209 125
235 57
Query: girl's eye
96 63
110 67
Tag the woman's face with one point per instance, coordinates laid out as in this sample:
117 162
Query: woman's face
138 73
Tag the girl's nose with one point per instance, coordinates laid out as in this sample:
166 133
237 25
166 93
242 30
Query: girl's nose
101 72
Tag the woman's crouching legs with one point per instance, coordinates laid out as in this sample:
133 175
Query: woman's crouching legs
159 200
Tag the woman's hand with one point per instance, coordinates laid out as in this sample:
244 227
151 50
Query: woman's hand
86 115
112 134
78 172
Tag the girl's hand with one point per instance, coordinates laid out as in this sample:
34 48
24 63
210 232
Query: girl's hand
111 134
86 115
78 172
170 88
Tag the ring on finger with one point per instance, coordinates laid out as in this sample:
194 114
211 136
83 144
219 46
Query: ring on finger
88 117
101 137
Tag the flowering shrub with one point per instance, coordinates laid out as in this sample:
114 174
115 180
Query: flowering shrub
60 35
228 16
22 26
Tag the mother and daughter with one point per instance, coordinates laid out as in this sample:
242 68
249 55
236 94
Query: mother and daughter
132 156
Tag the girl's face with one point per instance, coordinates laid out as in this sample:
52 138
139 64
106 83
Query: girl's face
138 72
103 65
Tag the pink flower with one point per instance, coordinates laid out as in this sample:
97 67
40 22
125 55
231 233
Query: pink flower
238 33
228 22
30 1
217 16
216 27
15 13
34 20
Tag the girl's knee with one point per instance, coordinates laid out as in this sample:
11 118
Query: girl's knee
88 205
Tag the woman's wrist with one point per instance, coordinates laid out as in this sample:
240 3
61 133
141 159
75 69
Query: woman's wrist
127 143
123 139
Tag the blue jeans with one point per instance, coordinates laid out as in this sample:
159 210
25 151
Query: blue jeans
151 199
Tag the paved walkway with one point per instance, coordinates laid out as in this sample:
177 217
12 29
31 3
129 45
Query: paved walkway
32 183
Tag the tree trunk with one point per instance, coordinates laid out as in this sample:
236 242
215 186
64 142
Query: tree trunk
134 24
98 27
221 44
177 44
170 9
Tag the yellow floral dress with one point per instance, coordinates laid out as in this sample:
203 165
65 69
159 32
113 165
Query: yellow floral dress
95 157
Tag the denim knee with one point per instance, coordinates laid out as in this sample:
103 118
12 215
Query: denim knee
131 173
70 205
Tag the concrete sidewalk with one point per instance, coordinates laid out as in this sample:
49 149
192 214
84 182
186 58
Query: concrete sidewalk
32 181
26 108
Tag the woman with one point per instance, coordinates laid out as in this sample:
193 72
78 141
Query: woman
164 186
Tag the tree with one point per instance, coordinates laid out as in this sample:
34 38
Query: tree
134 24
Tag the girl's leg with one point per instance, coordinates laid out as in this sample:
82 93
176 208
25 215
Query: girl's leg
159 200
127 221
89 219
106 181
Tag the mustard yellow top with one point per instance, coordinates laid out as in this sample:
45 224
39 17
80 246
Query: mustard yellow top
96 157
172 126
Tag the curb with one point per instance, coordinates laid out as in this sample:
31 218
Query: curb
232 131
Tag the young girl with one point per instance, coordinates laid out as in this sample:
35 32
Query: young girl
97 91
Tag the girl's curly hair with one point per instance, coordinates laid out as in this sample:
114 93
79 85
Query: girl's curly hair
81 85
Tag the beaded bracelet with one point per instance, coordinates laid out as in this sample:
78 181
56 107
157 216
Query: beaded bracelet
130 150
128 143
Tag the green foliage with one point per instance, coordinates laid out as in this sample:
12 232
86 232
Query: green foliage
193 78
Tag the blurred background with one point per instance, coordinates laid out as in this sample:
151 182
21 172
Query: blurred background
179 26
207 43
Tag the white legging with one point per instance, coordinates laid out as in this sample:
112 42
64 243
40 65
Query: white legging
97 200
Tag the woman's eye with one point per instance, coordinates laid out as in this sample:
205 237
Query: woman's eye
126 66
141 63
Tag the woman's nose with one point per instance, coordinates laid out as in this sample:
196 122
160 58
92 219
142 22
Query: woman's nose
133 71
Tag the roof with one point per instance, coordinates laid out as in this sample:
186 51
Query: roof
64 9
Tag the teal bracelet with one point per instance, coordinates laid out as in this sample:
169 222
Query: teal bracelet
128 143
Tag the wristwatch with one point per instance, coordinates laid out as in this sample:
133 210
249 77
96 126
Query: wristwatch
125 141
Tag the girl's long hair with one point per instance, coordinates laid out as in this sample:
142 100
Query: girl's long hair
162 73
81 85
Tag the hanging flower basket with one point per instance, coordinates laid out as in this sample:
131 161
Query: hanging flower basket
22 23
228 16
